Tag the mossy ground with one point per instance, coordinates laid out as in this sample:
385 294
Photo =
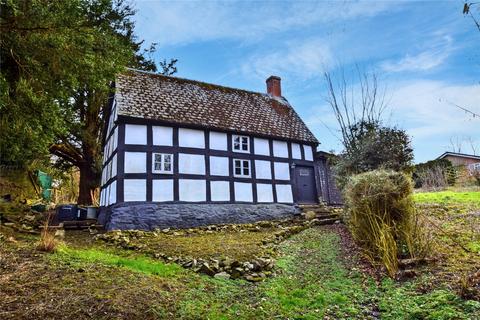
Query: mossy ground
320 275
453 221
238 245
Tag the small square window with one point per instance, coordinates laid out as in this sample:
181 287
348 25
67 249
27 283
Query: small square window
162 163
241 143
242 168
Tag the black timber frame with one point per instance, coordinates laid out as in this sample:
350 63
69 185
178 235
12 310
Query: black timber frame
175 149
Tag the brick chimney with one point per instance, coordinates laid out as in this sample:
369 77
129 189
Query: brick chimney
274 87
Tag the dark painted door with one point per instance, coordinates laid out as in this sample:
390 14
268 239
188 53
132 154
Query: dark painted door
305 181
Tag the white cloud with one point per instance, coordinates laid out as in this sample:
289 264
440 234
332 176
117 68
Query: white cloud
181 22
434 55
301 60
425 109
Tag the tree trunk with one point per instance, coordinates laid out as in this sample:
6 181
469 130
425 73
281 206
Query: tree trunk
87 184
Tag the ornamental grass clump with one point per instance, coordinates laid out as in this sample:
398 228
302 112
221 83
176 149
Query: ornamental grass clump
382 217
47 241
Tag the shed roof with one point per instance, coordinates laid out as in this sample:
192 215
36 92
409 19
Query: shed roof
146 95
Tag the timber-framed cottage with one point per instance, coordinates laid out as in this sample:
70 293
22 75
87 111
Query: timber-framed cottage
181 153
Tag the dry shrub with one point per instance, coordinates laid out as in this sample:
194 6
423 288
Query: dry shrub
382 217
47 241
435 178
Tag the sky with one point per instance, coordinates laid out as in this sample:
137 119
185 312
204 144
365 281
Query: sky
426 56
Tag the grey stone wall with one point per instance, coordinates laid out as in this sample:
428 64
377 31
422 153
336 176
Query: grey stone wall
148 216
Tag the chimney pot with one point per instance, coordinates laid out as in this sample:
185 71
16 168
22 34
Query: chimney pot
274 87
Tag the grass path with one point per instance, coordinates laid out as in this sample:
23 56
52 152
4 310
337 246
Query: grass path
319 281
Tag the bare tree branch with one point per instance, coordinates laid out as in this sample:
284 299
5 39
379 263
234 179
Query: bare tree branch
354 105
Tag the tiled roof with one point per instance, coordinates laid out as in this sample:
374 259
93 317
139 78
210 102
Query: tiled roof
151 96
461 155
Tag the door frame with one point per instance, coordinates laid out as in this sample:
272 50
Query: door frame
296 185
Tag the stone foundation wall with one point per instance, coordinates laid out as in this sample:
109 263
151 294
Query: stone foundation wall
148 216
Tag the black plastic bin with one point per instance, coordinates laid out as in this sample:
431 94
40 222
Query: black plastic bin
67 212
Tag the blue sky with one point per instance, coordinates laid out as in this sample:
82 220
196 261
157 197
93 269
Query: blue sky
426 55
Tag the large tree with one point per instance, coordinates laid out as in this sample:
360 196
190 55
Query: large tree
67 52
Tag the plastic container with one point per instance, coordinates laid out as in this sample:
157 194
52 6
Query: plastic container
67 212
92 212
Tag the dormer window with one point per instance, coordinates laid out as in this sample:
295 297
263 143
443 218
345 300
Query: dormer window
241 143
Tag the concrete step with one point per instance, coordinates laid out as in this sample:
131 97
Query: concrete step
326 221
328 216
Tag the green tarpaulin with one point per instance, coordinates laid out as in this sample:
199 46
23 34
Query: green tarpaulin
46 184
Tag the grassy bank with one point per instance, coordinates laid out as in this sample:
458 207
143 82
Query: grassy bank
319 275
448 197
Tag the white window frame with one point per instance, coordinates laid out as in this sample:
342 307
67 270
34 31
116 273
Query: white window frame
242 168
474 166
240 137
162 163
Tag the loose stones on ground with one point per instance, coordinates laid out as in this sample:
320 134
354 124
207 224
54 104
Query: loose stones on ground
254 270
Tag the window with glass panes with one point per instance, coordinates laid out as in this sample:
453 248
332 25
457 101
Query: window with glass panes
241 168
241 143
162 163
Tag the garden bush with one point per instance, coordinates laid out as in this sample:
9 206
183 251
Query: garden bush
382 217
434 174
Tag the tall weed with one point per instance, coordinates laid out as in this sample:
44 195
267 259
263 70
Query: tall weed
382 217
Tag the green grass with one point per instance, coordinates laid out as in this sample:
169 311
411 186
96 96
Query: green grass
138 264
314 282
448 197
404 301
315 279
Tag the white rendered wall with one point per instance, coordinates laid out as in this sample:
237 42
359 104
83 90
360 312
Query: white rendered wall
192 190
135 134
284 193
114 166
191 138
134 190
264 192
243 192
280 149
162 136
261 146
308 152
296 152
162 190
115 139
107 195
220 190
135 162
219 166
113 193
281 170
263 169
191 163
218 141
